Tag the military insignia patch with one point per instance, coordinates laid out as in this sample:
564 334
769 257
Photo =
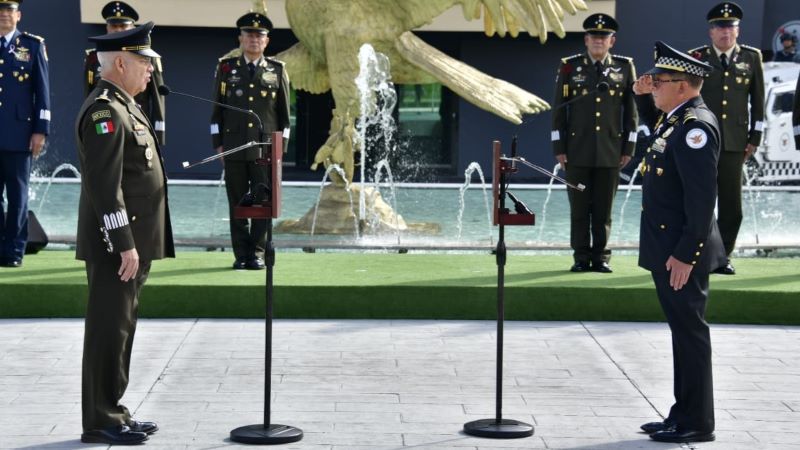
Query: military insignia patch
104 127
696 138
22 54
148 153
104 114
616 77
269 78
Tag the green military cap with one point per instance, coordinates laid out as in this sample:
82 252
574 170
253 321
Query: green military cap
255 22
136 40
725 14
119 13
601 24
10 4
669 60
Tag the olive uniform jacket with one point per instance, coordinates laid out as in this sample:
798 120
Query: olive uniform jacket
150 100
679 188
796 115
266 94
598 129
735 95
123 202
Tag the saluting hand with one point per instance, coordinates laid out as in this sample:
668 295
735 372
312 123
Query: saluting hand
678 272
643 85
129 266
36 144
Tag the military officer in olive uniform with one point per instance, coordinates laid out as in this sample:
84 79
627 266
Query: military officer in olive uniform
25 118
120 16
123 225
735 93
253 82
679 241
594 136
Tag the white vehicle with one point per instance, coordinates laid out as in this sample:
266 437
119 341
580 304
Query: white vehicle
777 161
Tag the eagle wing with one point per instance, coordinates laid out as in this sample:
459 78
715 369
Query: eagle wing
306 72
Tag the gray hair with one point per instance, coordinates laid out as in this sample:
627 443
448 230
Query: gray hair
106 59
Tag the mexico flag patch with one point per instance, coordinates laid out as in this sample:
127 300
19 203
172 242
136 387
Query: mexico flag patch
104 127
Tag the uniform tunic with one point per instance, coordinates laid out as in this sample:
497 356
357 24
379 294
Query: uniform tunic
24 110
736 97
123 205
594 132
150 100
678 195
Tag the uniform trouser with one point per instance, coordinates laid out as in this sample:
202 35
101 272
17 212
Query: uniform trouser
248 237
111 316
15 173
590 211
691 350
729 206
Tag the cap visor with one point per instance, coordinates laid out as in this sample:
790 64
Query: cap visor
147 52
657 70
255 30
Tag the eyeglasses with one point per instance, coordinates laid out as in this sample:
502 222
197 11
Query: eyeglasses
657 83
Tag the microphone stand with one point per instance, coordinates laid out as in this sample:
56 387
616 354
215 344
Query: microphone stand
503 167
265 433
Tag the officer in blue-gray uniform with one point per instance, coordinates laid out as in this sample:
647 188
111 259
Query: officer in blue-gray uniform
680 243
25 115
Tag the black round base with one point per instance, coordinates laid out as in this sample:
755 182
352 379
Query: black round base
504 429
270 435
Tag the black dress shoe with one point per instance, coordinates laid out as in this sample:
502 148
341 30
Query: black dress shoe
652 427
13 263
239 264
143 427
255 264
727 269
678 435
580 267
601 267
116 435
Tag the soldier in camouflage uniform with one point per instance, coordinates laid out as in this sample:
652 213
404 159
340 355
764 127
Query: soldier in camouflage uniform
253 82
594 137
735 93
120 16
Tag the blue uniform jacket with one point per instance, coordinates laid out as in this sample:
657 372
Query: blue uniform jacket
679 188
25 94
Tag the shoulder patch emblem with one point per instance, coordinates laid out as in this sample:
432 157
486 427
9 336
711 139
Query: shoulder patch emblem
696 138
102 114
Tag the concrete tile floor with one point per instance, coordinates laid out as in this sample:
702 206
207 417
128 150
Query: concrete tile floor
402 384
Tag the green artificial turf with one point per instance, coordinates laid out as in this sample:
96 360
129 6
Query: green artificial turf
403 286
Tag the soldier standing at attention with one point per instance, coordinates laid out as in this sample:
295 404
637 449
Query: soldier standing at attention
679 242
735 94
120 16
25 115
123 225
260 84
594 137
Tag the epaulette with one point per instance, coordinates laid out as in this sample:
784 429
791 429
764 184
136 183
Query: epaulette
627 59
31 35
752 49
570 58
689 115
121 97
89 51
274 60
233 54
103 97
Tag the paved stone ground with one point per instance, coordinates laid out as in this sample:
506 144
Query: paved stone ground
402 384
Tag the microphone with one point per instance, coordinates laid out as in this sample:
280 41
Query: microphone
164 90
